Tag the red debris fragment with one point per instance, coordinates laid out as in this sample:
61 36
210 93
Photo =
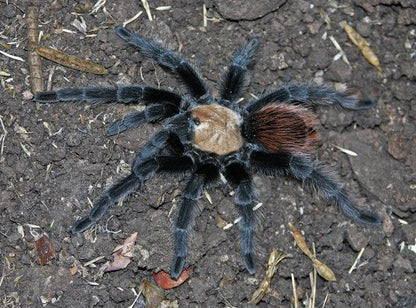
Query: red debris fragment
164 280
44 249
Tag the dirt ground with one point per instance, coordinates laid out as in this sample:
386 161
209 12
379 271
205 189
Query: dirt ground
56 159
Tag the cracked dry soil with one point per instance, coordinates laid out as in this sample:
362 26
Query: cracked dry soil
55 158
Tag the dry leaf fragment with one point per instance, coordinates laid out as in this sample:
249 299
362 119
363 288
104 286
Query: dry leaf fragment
122 255
221 223
70 61
264 287
363 45
164 280
5 45
73 270
153 294
44 249
300 241
323 270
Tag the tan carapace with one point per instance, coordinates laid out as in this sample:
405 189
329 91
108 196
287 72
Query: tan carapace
218 129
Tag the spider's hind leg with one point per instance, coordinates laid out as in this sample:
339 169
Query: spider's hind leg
311 95
317 178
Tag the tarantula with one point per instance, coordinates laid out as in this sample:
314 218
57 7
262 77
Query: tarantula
205 137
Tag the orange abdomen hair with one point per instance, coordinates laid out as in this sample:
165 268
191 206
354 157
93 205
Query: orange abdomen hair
280 127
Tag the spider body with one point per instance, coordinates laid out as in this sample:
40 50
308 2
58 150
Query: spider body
217 129
206 137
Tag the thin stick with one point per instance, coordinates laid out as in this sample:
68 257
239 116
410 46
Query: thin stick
132 19
147 9
313 282
325 300
70 61
12 57
295 294
2 138
33 58
204 16
353 266
49 84
135 299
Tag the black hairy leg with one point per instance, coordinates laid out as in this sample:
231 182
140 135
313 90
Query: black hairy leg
160 104
234 81
152 113
320 179
311 95
315 177
111 196
204 176
120 94
245 195
141 172
169 59
143 168
272 164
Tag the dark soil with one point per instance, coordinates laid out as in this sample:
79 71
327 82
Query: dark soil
57 158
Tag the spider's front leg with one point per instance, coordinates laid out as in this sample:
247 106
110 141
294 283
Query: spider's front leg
120 94
169 59
245 195
205 175
234 80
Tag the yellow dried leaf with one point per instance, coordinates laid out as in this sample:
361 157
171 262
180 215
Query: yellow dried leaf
300 241
70 61
221 223
264 286
363 45
153 294
73 270
323 270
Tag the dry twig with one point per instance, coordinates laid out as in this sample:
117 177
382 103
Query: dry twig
295 294
147 9
70 61
346 151
132 19
33 58
354 265
2 139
